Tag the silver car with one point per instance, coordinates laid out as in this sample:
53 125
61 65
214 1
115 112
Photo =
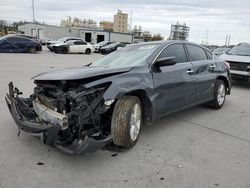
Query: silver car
239 60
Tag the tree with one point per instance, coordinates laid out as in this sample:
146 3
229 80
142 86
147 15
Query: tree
157 37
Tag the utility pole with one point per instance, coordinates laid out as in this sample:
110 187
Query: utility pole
131 19
229 38
33 10
226 40
207 37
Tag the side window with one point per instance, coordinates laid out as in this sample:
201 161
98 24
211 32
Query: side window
175 50
80 43
121 45
196 53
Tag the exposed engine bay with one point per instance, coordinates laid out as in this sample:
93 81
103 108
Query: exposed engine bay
66 114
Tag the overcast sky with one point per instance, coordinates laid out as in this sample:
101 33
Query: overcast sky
215 17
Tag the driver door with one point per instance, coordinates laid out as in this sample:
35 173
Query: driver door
174 84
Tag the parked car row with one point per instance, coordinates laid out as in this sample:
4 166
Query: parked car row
78 45
24 43
221 50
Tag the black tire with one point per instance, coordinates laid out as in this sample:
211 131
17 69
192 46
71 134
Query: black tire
63 50
120 124
216 103
32 50
88 51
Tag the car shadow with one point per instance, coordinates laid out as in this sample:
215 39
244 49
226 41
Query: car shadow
241 84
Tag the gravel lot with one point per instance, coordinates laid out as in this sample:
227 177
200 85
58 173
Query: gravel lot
198 147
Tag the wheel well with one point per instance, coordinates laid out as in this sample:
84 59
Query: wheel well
146 104
224 79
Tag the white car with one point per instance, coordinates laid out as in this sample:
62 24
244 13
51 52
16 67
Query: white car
76 46
50 44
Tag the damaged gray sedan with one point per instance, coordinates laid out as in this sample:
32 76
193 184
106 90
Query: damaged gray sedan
106 102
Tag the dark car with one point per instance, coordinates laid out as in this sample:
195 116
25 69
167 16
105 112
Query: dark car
27 36
18 44
106 102
99 45
239 60
219 51
112 47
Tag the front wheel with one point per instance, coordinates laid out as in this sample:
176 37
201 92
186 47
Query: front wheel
126 121
219 95
88 51
32 50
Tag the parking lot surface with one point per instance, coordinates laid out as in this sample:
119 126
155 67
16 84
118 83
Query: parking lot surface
198 147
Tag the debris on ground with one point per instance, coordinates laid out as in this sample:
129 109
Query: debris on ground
114 154
39 163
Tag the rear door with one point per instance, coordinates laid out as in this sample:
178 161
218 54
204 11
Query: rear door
78 47
204 71
175 84
8 46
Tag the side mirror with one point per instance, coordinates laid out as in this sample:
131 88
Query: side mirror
166 61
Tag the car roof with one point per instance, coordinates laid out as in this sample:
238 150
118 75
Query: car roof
167 42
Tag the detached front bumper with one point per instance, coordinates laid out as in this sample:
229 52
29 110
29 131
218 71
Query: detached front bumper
36 119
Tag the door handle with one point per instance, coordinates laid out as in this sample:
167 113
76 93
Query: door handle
212 66
190 71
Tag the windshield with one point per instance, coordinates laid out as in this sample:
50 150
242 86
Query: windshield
129 56
243 50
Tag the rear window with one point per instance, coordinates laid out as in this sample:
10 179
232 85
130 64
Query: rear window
196 53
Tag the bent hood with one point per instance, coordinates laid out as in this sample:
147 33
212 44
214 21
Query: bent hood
237 58
81 73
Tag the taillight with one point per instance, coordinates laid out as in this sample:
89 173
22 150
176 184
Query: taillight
227 65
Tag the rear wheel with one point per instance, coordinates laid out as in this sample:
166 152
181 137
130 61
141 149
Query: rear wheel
32 50
219 95
88 51
126 121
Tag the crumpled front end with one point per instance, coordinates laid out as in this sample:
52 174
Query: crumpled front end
67 116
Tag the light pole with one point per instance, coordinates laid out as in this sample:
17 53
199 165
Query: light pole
33 10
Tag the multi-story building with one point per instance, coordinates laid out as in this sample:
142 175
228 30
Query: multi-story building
179 31
106 25
120 22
